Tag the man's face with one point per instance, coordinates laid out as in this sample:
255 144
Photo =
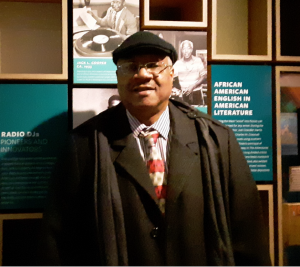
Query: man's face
144 92
117 5
187 50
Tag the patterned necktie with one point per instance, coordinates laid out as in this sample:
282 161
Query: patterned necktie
156 167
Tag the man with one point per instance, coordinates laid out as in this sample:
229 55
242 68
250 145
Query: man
115 202
118 18
191 73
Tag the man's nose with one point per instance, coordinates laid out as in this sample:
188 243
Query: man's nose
142 72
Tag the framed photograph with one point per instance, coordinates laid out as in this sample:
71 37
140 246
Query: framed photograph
88 102
99 27
190 70
173 14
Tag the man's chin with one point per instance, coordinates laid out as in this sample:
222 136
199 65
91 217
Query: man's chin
117 10
145 106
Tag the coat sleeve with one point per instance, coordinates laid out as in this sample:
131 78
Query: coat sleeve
248 229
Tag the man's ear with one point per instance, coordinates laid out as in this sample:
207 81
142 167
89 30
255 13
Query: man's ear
172 72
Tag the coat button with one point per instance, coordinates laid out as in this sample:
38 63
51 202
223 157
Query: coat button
154 232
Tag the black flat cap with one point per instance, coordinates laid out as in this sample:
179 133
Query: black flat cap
144 42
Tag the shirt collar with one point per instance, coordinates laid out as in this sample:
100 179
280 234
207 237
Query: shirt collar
162 125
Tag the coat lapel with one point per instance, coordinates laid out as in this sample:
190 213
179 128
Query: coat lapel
129 158
125 152
184 154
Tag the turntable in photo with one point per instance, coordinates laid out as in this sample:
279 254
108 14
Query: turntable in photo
97 43
98 36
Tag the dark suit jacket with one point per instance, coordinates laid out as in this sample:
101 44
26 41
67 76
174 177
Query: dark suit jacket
103 207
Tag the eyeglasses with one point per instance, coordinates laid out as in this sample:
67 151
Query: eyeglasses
131 68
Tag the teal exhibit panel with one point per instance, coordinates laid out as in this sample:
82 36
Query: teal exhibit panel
33 127
242 99
99 27
95 71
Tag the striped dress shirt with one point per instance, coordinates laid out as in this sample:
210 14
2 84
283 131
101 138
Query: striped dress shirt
162 125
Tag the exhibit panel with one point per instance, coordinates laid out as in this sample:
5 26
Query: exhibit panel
96 34
242 100
33 128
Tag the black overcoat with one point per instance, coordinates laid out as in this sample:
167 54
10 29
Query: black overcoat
102 206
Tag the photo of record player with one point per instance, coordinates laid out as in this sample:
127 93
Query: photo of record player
96 43
100 26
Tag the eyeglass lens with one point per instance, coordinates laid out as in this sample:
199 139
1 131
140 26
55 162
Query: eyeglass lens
151 67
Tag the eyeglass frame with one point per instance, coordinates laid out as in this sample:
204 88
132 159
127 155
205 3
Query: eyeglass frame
140 66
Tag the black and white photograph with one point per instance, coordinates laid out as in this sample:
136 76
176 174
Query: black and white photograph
88 102
100 26
190 79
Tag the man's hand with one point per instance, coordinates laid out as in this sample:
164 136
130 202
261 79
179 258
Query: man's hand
89 11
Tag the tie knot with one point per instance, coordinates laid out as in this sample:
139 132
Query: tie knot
150 135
